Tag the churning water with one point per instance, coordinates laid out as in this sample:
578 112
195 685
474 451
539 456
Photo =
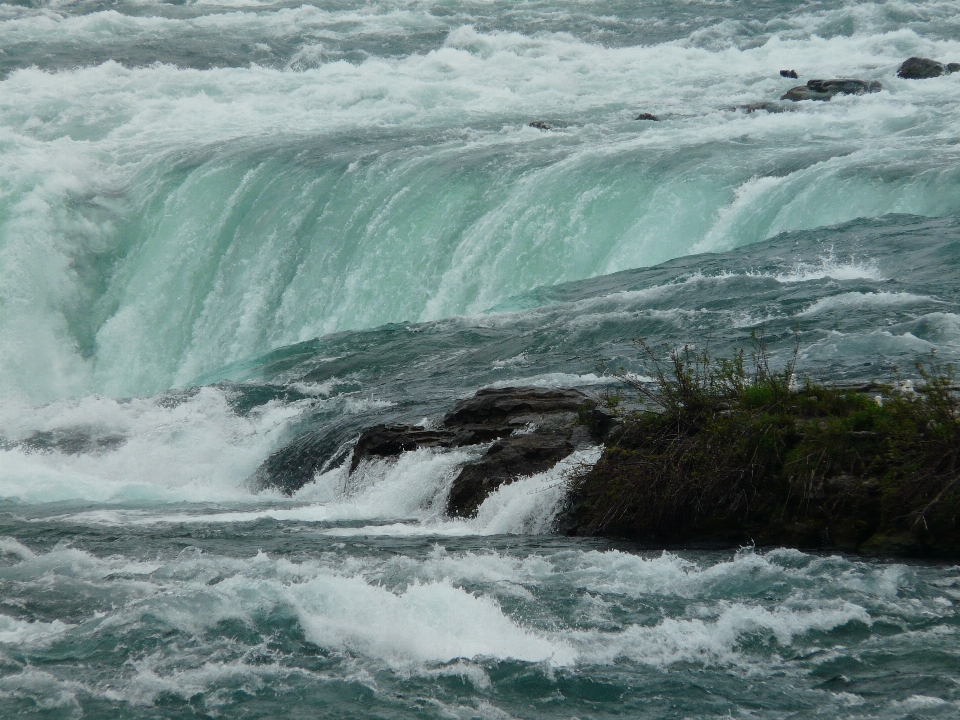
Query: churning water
223 223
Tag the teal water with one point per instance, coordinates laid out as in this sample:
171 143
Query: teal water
229 228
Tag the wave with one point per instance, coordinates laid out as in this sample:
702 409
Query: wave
158 222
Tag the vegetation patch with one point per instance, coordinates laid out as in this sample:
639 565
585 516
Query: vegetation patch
729 451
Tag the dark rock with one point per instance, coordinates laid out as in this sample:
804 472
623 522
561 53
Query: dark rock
952 68
648 116
918 68
505 461
390 440
298 462
498 405
826 89
533 428
540 125
770 107
789 74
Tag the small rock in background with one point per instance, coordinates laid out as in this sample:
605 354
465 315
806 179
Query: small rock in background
789 74
540 125
648 116
918 68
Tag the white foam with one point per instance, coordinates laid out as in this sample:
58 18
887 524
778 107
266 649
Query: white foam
852 300
427 623
20 632
526 506
830 267
713 641
198 449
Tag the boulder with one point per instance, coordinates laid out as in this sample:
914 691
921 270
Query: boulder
792 74
826 89
952 68
648 116
506 460
539 125
918 68
390 440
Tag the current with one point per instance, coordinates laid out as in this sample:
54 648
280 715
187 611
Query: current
225 223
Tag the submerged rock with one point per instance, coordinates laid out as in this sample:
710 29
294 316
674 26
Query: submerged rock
68 441
918 68
792 74
826 89
539 125
648 116
766 106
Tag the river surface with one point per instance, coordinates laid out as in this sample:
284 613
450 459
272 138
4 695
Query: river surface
225 224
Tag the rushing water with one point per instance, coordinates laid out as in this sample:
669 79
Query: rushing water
227 224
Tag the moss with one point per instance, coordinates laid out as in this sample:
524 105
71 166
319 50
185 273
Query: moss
730 451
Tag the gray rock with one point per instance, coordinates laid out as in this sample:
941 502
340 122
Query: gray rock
648 116
789 74
539 125
391 440
826 89
498 405
771 107
952 68
918 68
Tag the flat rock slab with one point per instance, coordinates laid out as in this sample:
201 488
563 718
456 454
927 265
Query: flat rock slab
826 89
499 405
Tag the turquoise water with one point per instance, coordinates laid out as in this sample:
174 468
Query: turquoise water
225 228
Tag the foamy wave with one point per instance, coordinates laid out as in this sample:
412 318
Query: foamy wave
193 448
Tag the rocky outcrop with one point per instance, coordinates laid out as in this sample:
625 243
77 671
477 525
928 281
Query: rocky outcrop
826 89
390 440
508 459
648 116
539 125
918 68
531 430
792 74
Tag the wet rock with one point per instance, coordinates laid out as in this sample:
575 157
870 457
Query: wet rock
539 125
499 405
298 462
391 440
826 89
531 430
648 116
952 68
505 461
918 68
789 74
771 107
